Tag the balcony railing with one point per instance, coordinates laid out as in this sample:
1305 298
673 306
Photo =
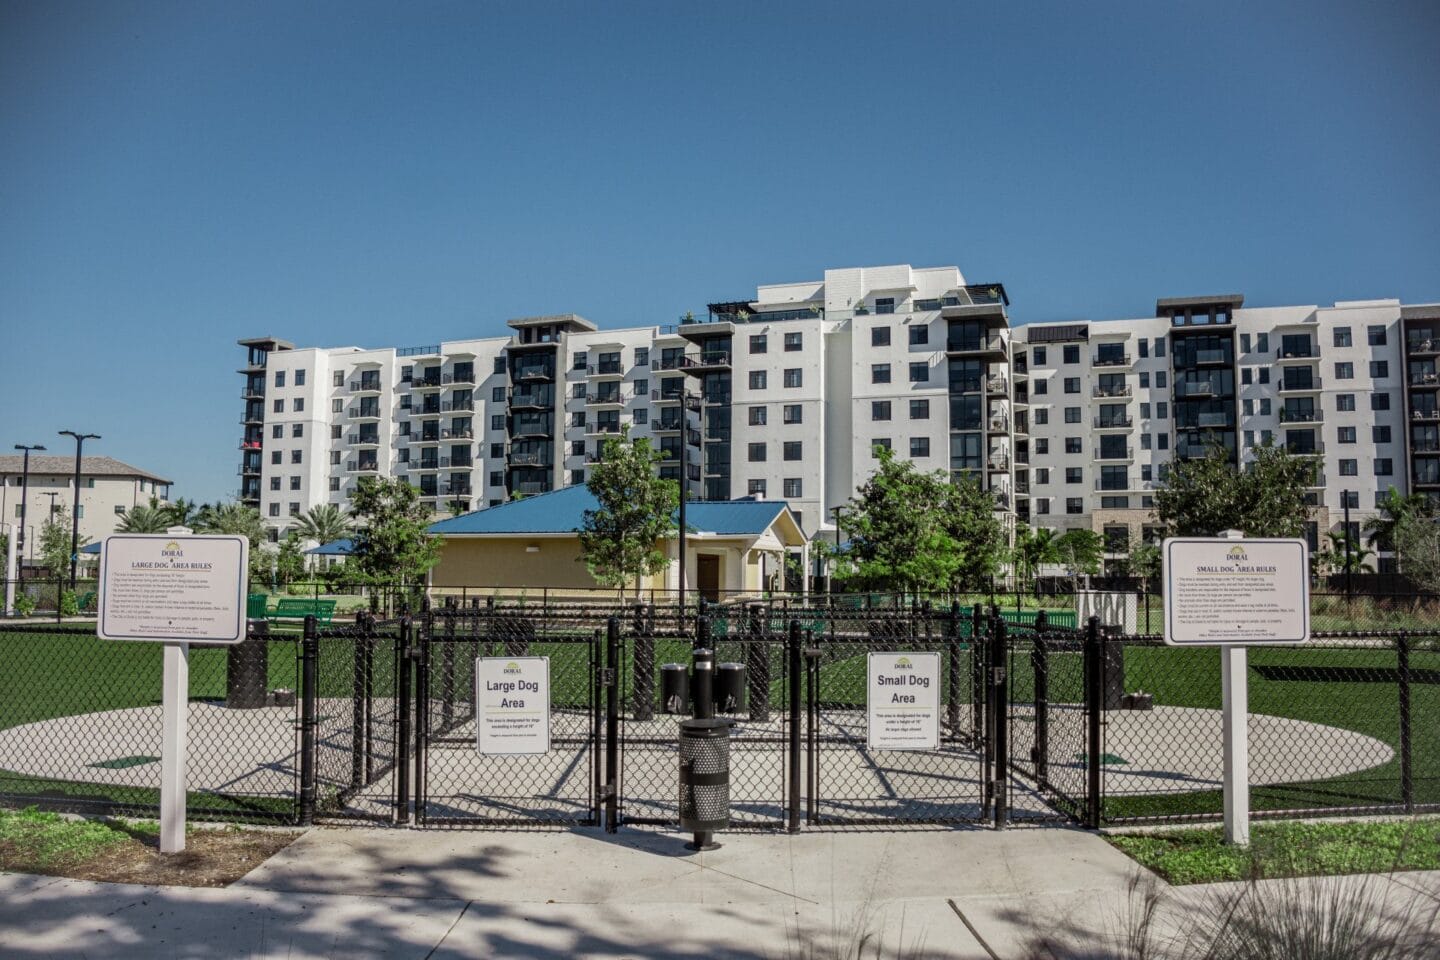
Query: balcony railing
1301 416
709 358
1113 423
1127 454
996 385
457 406
365 386
987 344
459 379
608 396
1419 345
531 487
526 398
1102 393
366 466
1424 379
1185 389
1114 486
1425 416
457 434
428 381
605 369
998 425
1208 357
533 374
1310 385
529 459
1305 449
368 439
249 394
1426 446
1307 352
603 428
1123 360
456 490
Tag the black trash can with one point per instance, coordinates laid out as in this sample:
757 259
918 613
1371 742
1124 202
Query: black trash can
729 687
704 779
675 688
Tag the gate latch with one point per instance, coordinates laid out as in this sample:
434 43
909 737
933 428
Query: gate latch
607 676
997 675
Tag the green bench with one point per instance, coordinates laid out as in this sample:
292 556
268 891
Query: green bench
297 608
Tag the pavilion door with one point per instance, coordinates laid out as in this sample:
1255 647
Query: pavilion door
707 576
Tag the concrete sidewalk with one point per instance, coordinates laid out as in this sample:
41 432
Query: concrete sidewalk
969 894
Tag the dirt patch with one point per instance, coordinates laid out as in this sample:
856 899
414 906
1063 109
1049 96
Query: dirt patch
212 858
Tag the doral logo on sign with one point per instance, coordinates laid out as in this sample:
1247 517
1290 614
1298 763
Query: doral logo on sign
903 663
511 667
172 550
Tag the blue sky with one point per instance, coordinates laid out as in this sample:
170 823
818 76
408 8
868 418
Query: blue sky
175 176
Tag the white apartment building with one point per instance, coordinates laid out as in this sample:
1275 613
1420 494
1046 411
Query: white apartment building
108 488
785 396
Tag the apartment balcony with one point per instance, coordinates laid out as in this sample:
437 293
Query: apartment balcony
248 470
427 464
997 425
1300 386
1213 358
1021 427
997 386
1124 456
457 434
456 490
462 463
520 431
1191 390
249 394
667 363
602 429
708 361
1114 423
458 406
529 400
1111 393
1120 362
663 396
365 386
605 370
1302 416
249 444
990 346
530 488
425 438
458 380
364 413
666 426
1424 416
253 416
1220 420
529 459
1002 498
534 375
1423 448
433 381
1022 487
1125 486
608 398
363 440
362 466
1316 449
1422 347
1304 355
1424 381
428 410
998 464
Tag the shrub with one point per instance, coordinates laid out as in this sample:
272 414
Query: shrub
24 605
69 605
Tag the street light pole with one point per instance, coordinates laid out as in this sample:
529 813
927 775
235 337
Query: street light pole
24 496
80 439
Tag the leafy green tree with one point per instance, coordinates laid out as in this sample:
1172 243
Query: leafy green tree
1394 508
237 519
1142 560
391 542
4 556
1207 495
619 540
289 561
152 518
323 524
1081 551
1417 542
1033 546
912 530
54 543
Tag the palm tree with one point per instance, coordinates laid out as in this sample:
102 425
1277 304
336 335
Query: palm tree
322 524
154 518
235 518
1347 556
1395 507
185 513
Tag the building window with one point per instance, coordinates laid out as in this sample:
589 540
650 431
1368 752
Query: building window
1072 384
1144 441
755 488
919 335
499 365
756 452
581 360
1345 371
1349 468
497 394
274 483
1042 505
299 404
277 456
277 431
1345 401
757 379
337 405
1072 445
1380 434
497 479
294 508
334 484
335 457
1074 504
793 413
1379 401
920 372
757 416
299 378
1072 414
1384 466
1376 335
1042 446
879 409
1074 475
1346 435
793 342
884 305
1040 387
577 391
919 446
1264 406
279 378
1379 369
879 373
1342 337
919 409
294 483
1160 379
1145 379
1144 346
1037 357
878 444
794 450
1350 498
279 406
577 419
1072 353
339 378
296 455
879 336
792 487
297 430
1042 475
274 509
1244 343
759 343
642 417
1042 416
793 377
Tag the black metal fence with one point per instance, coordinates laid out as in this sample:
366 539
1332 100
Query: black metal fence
375 720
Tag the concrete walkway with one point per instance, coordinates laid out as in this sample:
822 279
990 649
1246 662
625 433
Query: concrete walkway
971 894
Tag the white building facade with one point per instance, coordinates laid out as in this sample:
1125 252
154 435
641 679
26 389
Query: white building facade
786 395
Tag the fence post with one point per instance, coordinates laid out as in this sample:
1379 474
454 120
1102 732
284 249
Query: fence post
757 665
612 723
702 630
309 692
1407 770
1094 697
642 667
402 721
1040 669
422 707
999 678
793 652
952 669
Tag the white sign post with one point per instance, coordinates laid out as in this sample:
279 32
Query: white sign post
902 701
1232 593
178 589
512 705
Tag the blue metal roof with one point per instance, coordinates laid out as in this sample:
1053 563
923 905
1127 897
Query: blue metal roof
335 548
563 511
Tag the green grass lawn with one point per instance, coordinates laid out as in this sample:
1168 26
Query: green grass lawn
1287 850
